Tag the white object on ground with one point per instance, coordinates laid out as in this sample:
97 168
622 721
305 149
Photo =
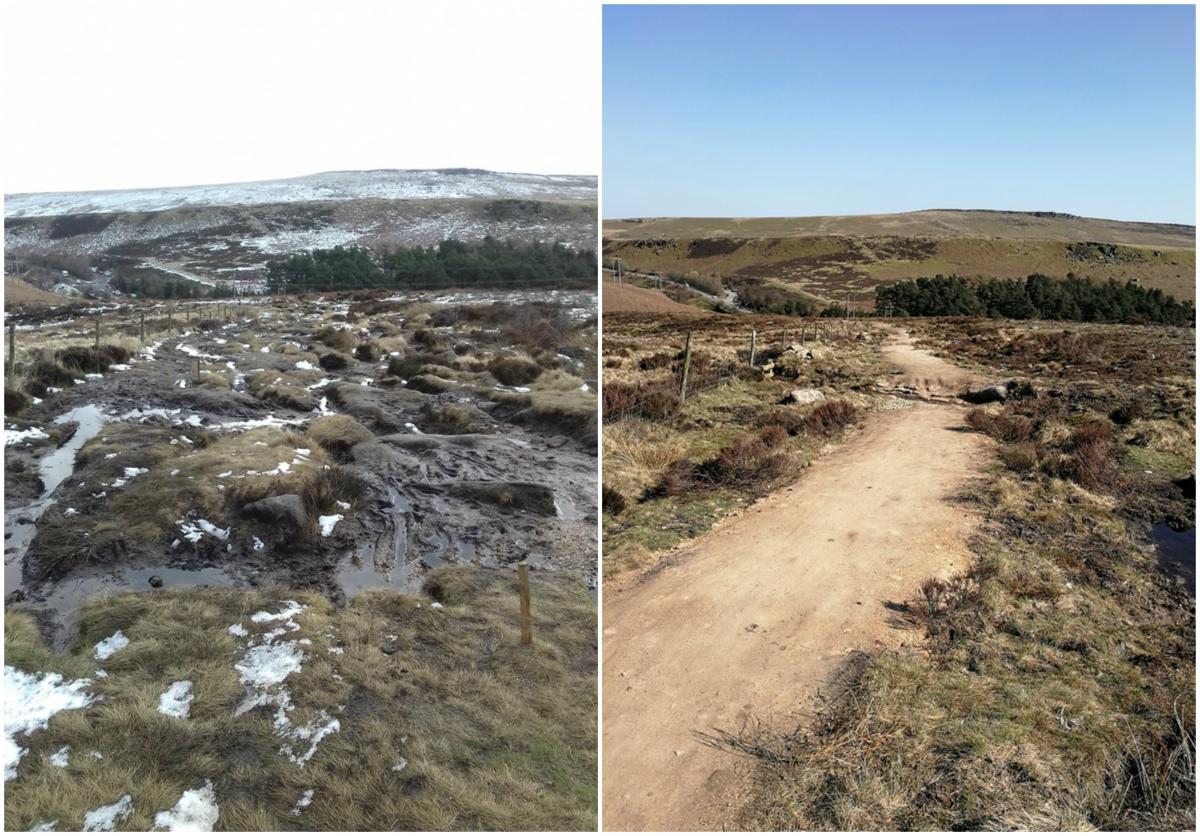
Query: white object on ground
176 701
195 812
107 647
328 522
303 802
105 818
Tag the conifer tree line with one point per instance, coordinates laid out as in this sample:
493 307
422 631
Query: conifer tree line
489 263
1037 297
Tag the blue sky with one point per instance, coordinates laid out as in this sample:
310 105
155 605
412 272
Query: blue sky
817 110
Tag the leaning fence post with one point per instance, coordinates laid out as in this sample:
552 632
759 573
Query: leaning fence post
687 364
753 344
523 591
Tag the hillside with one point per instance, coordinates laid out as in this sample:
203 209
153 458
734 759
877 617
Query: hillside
628 298
18 293
226 234
385 184
834 256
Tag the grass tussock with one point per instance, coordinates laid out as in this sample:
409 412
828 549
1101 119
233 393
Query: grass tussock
339 339
446 722
337 435
514 371
282 389
211 479
453 419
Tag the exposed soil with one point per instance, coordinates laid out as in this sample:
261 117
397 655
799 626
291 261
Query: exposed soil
409 515
753 621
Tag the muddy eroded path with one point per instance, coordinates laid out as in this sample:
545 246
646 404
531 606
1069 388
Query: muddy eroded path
440 465
751 621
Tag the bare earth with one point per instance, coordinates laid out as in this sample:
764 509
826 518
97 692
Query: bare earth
751 620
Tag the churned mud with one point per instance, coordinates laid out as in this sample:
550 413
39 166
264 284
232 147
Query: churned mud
381 422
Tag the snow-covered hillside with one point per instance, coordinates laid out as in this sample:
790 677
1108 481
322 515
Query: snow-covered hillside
388 184
228 234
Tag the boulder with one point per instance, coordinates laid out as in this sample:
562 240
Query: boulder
804 396
989 394
285 510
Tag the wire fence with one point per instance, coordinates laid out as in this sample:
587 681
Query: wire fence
686 382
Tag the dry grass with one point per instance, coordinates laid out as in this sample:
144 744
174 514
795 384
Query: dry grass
493 735
1055 689
337 434
1046 701
281 388
514 371
215 476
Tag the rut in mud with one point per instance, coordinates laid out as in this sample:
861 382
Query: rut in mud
439 462
752 621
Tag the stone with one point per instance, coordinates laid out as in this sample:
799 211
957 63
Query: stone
804 396
994 393
155 581
285 510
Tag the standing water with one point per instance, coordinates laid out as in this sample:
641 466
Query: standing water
1176 552
21 523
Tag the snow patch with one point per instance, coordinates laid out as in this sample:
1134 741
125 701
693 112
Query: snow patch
176 701
328 522
195 812
107 647
305 799
105 818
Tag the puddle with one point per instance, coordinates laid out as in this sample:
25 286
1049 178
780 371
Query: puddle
1176 553
361 570
358 572
54 468
69 594
437 556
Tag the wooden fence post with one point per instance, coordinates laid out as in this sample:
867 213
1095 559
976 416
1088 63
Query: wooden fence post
143 324
170 316
97 342
12 348
753 345
196 378
523 591
687 364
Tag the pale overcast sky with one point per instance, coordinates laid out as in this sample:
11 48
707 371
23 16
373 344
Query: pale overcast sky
121 94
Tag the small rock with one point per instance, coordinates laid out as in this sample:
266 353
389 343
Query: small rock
804 396
989 394
156 581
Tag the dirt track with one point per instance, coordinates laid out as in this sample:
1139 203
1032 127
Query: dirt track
749 621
